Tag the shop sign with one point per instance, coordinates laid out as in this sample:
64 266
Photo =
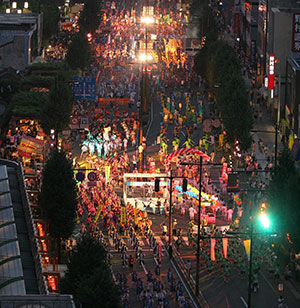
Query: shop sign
271 74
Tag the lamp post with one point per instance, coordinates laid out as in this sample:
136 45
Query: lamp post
144 58
197 291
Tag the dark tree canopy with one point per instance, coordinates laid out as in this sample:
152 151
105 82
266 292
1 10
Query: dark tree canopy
217 62
88 277
284 196
29 104
56 113
78 55
58 196
89 18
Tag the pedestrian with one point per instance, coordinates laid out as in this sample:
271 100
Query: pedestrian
174 227
131 263
165 229
189 266
169 275
124 259
280 302
157 270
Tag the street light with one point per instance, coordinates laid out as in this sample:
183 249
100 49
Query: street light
199 221
144 57
147 20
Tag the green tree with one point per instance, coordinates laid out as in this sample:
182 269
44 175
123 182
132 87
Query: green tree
78 55
88 278
284 196
50 20
29 104
56 113
58 196
89 18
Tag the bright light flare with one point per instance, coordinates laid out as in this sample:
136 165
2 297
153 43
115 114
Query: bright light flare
147 20
145 57
264 220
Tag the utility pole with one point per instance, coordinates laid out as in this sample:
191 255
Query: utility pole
197 291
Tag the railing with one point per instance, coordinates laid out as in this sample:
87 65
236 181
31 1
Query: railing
189 280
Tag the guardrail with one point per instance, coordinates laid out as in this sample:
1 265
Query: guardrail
189 280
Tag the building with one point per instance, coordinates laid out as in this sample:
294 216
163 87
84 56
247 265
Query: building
22 276
20 39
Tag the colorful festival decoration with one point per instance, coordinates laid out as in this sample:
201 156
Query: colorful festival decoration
187 151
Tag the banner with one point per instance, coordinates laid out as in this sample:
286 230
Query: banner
225 245
247 244
123 215
271 75
98 212
296 33
108 100
221 138
212 249
107 173
187 151
29 145
236 23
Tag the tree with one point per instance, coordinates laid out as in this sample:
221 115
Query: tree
78 55
50 20
58 196
222 70
56 113
88 278
28 104
284 196
89 18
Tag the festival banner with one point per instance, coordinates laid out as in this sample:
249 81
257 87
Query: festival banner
225 245
271 72
29 145
247 244
107 173
187 151
98 212
108 100
123 215
212 249
221 138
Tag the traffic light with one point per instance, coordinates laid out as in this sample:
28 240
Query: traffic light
184 185
264 220
156 185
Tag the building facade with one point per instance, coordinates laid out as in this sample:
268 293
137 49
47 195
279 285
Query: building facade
20 39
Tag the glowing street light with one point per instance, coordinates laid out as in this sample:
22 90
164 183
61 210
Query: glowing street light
147 20
26 5
14 5
264 220
143 57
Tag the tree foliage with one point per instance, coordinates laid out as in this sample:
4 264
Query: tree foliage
78 55
89 18
217 62
284 196
35 81
50 19
29 104
58 196
88 278
56 113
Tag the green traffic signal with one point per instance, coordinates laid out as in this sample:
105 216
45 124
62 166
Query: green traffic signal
264 220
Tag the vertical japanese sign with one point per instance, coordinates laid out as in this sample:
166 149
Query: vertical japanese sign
296 33
236 23
253 54
271 71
